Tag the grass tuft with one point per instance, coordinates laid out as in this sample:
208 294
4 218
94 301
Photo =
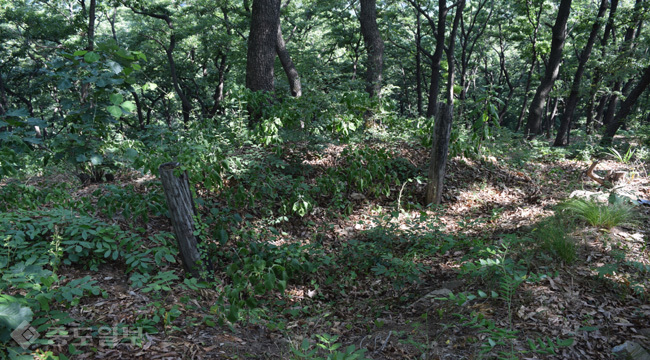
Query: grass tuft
553 237
599 214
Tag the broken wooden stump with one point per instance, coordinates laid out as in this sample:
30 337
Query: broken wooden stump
182 213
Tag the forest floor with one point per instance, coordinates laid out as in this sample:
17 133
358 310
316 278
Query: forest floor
490 290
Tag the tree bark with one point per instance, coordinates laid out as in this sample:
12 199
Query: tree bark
626 108
572 102
3 97
597 77
260 56
442 127
374 47
287 64
552 71
418 62
182 213
139 109
436 59
534 60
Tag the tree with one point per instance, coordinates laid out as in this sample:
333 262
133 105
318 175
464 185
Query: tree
572 101
169 51
287 64
262 40
626 107
374 46
442 127
552 70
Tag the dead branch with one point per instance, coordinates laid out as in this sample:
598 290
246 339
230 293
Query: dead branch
594 177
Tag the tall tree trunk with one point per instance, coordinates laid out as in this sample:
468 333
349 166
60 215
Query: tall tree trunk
418 62
626 108
90 45
186 106
506 76
442 127
287 64
552 70
91 25
262 39
533 63
3 97
436 59
572 102
138 106
374 46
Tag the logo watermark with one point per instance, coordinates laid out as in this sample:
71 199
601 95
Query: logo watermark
25 335
107 337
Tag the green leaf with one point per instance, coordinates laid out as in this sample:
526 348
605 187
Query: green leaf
116 99
96 160
128 106
131 154
13 314
233 314
115 67
588 328
90 57
136 67
22 112
566 342
80 53
115 111
125 54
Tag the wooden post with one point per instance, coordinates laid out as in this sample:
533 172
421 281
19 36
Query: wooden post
182 212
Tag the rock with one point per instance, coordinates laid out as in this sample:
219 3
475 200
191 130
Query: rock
590 195
631 351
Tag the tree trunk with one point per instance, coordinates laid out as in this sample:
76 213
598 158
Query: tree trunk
182 213
418 62
260 57
138 106
374 46
3 97
572 102
533 62
597 77
91 25
626 108
287 64
442 127
552 71
436 59
90 45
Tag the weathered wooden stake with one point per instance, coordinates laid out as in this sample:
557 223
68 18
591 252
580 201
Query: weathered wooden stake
182 212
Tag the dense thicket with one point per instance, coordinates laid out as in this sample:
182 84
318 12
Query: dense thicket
77 75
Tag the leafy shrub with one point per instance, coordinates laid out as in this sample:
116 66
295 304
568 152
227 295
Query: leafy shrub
16 195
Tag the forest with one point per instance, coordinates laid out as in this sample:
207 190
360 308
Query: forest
324 180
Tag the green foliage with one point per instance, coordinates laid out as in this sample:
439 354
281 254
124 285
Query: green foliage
106 73
598 214
16 195
130 204
327 348
624 158
554 238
